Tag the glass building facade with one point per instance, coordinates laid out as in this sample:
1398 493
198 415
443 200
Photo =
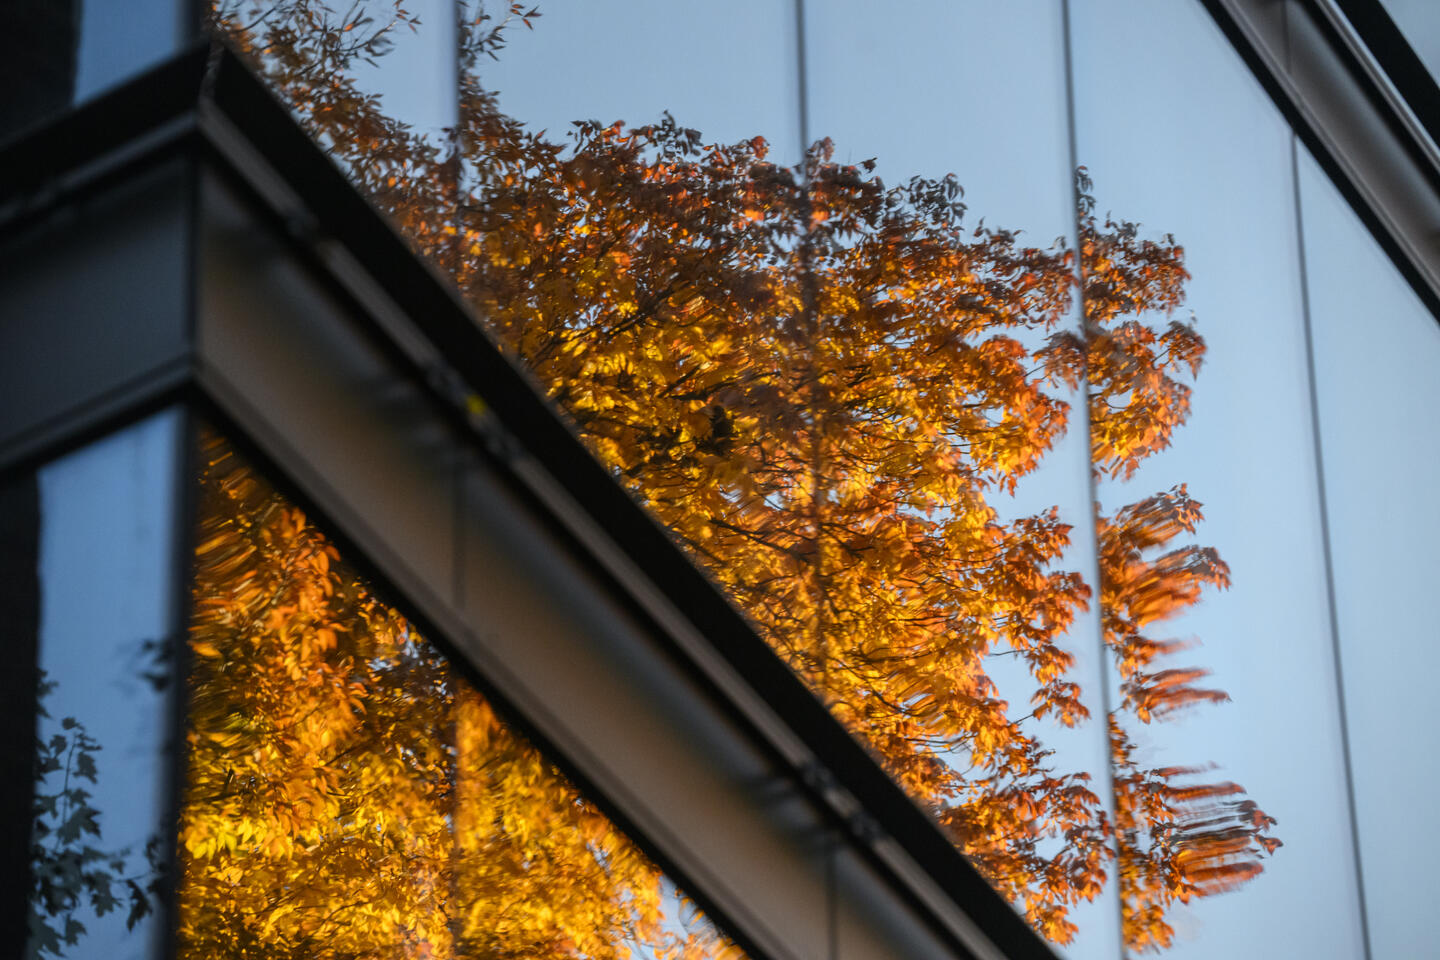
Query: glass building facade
1028 376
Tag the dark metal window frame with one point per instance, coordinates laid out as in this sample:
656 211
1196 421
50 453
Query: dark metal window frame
1412 80
1311 58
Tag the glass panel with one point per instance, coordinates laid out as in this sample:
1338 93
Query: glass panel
19 690
918 101
1377 353
107 576
1227 721
351 794
936 101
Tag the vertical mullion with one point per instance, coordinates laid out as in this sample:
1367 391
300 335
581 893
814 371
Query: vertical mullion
1103 658
1332 613
1328 553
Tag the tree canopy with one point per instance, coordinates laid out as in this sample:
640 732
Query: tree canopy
823 385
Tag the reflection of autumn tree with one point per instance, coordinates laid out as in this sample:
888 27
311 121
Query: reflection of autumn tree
350 796
819 383
1177 836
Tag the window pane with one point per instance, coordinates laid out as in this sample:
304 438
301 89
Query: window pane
107 576
351 794
1377 353
979 93
1213 576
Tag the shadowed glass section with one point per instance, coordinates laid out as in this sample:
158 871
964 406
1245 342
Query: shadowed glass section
107 580
56 54
350 794
37 62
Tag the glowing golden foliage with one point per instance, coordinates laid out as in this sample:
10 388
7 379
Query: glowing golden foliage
819 383
349 795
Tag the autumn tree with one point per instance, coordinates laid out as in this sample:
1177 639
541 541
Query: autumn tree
349 795
821 384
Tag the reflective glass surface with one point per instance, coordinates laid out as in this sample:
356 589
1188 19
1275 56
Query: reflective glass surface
1095 502
1213 581
1377 353
107 576
350 794
1016 464
979 95
851 398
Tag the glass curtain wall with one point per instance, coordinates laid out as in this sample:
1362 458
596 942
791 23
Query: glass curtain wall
1248 630
970 351
975 95
341 789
